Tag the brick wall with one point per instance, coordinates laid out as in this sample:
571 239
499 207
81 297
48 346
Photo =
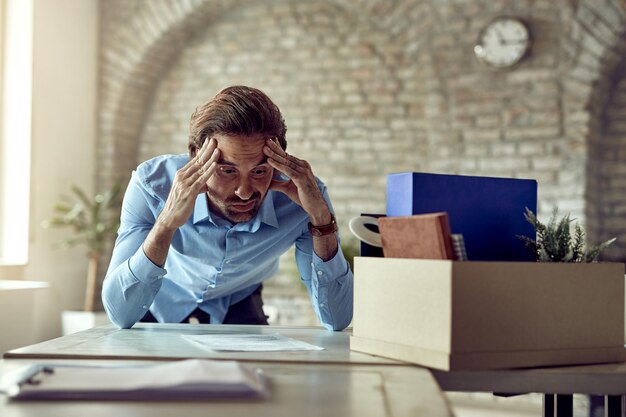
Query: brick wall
371 87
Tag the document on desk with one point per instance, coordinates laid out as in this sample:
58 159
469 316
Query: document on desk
194 379
249 342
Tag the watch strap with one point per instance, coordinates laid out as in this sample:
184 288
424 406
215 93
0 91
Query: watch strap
325 229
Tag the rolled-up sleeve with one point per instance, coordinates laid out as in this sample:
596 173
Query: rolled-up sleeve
132 280
331 287
329 283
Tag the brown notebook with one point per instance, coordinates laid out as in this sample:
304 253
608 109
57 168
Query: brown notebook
423 236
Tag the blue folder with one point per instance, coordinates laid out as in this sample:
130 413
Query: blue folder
487 211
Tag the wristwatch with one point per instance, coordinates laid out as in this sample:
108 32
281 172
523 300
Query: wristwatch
325 229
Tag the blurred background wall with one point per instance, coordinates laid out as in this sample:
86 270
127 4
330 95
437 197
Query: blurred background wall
367 87
373 87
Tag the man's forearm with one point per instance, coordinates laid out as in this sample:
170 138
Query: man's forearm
157 243
325 246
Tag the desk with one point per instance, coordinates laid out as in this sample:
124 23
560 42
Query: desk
333 382
557 383
295 390
163 342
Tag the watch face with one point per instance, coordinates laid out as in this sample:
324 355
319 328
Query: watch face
503 42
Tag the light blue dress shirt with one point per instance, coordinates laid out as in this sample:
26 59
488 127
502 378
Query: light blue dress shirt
212 263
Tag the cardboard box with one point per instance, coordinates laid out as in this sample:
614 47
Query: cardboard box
487 211
486 315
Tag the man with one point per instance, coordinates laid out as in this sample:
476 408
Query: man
200 233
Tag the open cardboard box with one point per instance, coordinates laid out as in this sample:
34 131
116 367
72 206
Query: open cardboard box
487 315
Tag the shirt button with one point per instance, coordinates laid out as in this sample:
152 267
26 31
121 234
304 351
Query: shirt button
322 305
144 306
228 261
312 264
320 273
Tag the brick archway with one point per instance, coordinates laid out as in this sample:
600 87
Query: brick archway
136 48
452 131
592 83
140 45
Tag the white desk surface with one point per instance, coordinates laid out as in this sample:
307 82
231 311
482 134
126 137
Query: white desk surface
164 342
301 390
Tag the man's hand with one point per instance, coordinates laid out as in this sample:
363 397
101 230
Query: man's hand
301 186
189 181
303 190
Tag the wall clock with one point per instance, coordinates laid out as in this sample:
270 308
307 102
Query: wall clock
503 43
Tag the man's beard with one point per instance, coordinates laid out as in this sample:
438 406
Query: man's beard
227 209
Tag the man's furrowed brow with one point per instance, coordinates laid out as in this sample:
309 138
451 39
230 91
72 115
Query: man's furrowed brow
223 161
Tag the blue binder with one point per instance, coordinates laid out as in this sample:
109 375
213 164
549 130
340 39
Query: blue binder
488 212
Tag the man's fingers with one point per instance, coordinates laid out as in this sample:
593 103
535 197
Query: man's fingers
206 152
285 169
207 169
210 167
277 154
201 158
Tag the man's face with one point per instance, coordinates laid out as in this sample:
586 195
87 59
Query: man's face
243 176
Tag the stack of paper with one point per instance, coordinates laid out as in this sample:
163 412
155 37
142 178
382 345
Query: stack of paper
249 342
188 379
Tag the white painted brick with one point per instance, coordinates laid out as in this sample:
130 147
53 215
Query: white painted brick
481 135
538 133
364 94
547 163
503 164
503 149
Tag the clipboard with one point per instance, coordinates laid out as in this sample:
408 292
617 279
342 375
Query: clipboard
191 379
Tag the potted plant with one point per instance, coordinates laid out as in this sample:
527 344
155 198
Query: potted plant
94 221
555 242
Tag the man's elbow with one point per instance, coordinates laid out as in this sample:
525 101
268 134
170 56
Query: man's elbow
123 324
338 325
122 321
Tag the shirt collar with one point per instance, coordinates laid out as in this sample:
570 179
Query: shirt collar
201 210
266 213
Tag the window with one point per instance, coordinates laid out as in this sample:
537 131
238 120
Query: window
16 45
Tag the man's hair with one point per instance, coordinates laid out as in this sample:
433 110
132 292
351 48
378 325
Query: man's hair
236 110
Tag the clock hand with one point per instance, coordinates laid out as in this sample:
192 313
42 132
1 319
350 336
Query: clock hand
500 37
513 41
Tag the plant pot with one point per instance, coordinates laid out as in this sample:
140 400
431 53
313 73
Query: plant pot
76 321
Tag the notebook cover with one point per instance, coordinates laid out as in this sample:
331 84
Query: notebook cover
425 236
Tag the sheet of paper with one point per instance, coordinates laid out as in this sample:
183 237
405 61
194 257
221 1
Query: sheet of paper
192 378
249 342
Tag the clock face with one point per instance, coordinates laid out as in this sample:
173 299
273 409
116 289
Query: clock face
503 42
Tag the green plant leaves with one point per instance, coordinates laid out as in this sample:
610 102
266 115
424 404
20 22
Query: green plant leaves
93 219
554 242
